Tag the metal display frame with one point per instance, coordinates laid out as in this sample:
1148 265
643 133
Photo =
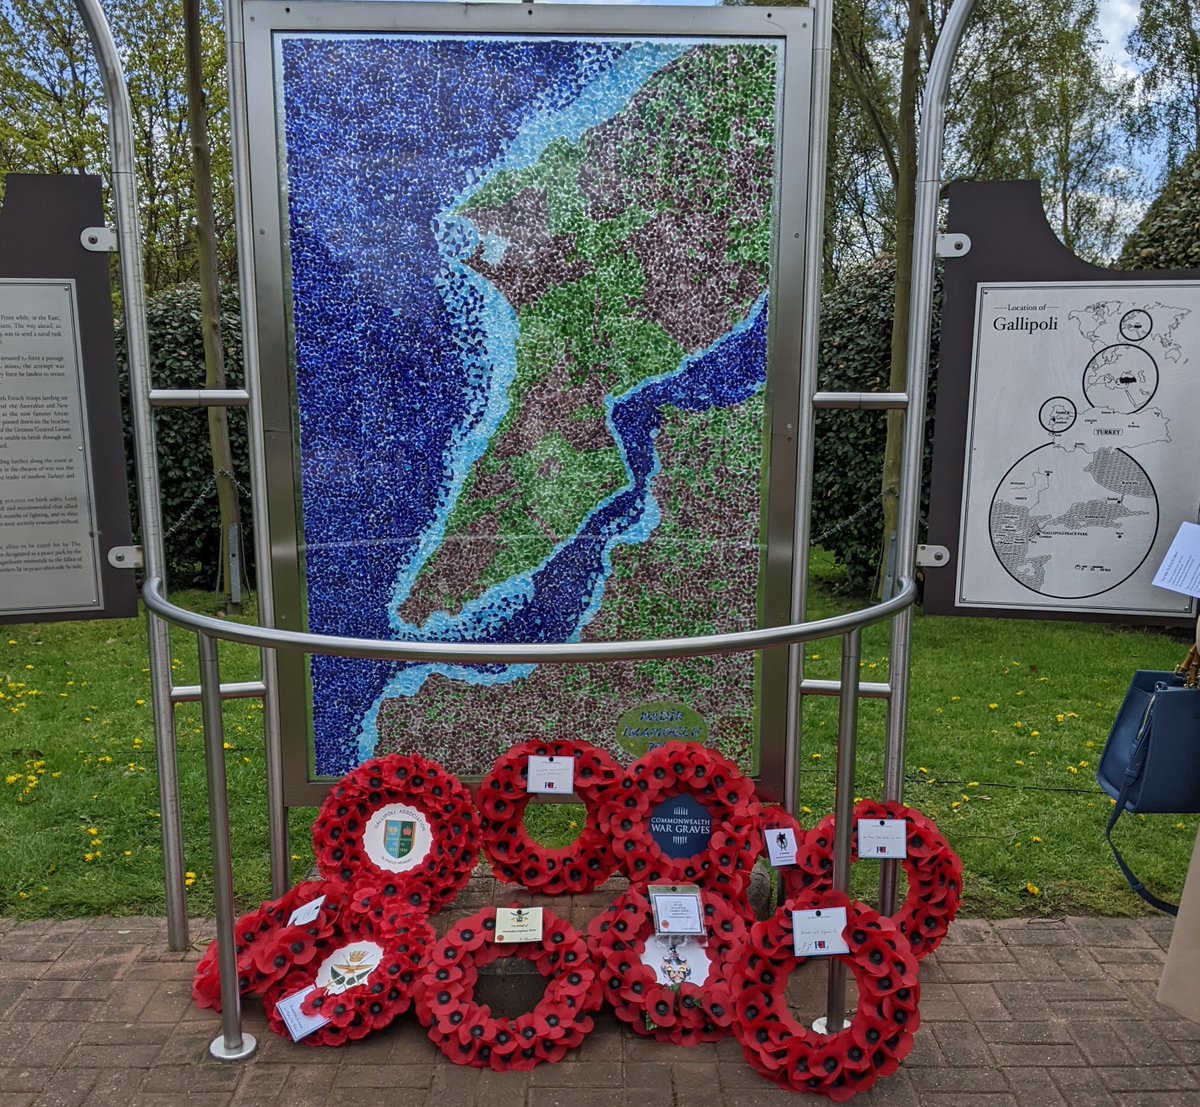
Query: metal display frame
793 27
233 1044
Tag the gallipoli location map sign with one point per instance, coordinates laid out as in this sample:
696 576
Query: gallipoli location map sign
1081 444
533 266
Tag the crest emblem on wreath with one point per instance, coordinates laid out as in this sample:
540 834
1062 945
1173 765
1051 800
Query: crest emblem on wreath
357 965
398 837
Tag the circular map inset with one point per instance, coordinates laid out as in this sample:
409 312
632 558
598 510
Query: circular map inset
1121 377
1057 414
1135 325
1072 523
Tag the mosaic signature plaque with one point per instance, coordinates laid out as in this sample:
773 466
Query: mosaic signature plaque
533 284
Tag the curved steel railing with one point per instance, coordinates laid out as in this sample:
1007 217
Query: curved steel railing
514 653
232 1044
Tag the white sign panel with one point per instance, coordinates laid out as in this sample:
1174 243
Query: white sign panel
49 553
1081 441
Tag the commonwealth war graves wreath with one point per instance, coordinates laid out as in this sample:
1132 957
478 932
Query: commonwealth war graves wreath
933 869
469 1034
400 819
675 769
515 856
671 990
880 1033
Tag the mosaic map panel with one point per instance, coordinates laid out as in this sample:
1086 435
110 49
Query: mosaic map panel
529 281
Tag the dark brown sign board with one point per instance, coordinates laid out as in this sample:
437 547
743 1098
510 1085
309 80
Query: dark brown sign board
1065 451
64 502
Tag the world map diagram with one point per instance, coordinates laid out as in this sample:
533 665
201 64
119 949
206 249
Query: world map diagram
1077 516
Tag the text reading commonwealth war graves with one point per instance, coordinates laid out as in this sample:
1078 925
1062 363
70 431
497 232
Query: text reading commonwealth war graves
49 556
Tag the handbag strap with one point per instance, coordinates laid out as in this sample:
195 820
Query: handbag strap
1134 883
1132 773
1189 667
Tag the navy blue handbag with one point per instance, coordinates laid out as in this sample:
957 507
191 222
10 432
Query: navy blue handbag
1151 762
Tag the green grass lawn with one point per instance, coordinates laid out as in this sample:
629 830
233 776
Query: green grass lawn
1007 721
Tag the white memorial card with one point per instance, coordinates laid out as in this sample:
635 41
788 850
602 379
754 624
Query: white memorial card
1180 569
818 932
884 839
555 775
781 845
518 924
306 912
299 1024
677 909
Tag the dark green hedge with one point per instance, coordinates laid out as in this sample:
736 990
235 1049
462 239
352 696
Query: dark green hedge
855 353
1168 237
190 517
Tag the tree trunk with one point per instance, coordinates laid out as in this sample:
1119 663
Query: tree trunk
210 299
906 203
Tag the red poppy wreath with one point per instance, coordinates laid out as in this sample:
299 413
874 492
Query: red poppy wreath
516 857
467 1032
933 869
671 989
364 978
679 769
267 941
880 1033
403 819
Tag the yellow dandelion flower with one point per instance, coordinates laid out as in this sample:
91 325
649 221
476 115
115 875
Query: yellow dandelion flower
1059 717
1072 770
972 783
955 699
1036 839
140 703
227 745
93 831
128 852
993 706
1072 715
1018 725
1019 762
1089 745
89 857
1181 826
806 811
922 770
1033 889
22 895
1035 734
815 756
955 805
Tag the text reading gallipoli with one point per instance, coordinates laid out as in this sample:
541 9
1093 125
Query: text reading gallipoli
1021 323
661 731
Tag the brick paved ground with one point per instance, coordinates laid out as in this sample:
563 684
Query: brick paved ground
1018 1012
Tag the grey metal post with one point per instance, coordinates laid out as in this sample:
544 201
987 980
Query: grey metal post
133 292
805 417
277 813
929 183
233 1044
843 811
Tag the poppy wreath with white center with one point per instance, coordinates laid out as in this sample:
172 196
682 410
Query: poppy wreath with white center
880 1034
469 1034
688 1014
371 1004
410 781
675 769
266 946
515 856
933 869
